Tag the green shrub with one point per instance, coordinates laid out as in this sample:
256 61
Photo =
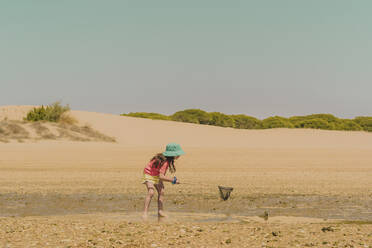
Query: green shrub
276 122
246 122
318 121
327 117
297 120
349 125
365 122
51 113
220 119
315 123
334 122
154 116
192 116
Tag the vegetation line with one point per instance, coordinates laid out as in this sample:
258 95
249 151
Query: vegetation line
315 121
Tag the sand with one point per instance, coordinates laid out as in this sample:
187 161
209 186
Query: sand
89 194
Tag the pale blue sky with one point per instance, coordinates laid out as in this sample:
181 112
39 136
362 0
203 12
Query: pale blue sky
258 58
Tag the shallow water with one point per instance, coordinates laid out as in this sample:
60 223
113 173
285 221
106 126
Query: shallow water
186 217
311 206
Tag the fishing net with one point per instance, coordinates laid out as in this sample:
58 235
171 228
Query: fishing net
225 192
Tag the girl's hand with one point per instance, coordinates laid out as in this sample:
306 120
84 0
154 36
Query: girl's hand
175 181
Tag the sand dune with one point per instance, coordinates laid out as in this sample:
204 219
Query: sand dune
13 128
141 132
145 132
14 112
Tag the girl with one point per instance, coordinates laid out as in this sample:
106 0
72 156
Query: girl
154 175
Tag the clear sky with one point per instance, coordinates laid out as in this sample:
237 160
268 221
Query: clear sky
260 58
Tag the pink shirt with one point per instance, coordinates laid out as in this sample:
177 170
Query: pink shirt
151 170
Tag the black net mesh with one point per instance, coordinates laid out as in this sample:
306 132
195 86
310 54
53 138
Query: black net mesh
225 192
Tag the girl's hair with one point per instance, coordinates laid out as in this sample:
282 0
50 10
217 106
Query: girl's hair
160 159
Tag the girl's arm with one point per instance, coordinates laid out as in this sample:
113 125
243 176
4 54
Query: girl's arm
167 179
162 175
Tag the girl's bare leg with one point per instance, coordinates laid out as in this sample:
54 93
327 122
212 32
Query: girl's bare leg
160 188
150 194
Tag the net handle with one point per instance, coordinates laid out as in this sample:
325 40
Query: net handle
201 184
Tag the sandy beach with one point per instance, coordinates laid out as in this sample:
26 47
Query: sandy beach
315 185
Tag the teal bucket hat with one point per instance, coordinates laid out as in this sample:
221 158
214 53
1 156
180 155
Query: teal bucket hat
173 150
